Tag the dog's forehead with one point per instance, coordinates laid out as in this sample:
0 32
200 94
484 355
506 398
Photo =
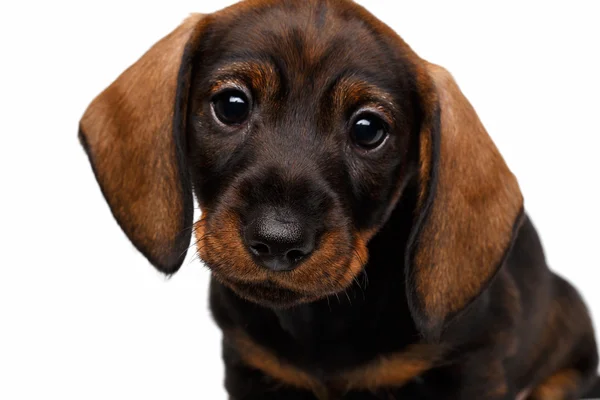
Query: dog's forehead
311 39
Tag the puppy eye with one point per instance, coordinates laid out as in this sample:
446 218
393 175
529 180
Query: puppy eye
368 131
231 107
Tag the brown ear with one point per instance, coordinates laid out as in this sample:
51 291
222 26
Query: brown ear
470 207
133 133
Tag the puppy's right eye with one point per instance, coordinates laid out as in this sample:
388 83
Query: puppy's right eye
368 131
231 107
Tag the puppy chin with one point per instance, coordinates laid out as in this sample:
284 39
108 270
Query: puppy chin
270 294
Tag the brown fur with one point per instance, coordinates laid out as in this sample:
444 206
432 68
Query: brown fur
144 192
392 370
472 219
354 91
233 266
560 386
261 75
262 359
388 371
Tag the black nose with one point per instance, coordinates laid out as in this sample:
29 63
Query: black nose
278 240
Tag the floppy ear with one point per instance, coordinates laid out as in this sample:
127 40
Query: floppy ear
134 135
469 208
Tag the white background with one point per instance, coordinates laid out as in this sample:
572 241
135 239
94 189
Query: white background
84 316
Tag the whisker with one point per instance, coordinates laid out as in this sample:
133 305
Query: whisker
348 296
361 288
194 244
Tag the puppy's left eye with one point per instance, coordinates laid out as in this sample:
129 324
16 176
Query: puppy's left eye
231 107
368 131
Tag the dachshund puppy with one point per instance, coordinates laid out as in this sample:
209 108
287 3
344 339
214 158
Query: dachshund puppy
365 237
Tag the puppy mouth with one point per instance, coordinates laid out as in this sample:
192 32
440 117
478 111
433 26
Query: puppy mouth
332 268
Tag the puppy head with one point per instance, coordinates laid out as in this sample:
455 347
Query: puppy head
298 124
299 138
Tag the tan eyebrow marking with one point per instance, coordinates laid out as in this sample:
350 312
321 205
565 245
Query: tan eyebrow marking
262 77
351 90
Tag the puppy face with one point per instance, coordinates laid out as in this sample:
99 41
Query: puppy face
299 134
298 123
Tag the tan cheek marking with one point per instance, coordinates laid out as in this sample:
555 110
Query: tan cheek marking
320 267
223 249
367 234
360 256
